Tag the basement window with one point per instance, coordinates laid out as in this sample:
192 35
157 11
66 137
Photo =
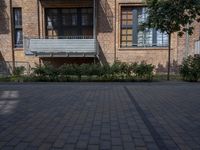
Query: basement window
132 34
18 34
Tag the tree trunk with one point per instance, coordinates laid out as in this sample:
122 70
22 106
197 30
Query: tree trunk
169 58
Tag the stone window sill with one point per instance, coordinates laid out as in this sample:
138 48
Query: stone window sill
143 48
18 49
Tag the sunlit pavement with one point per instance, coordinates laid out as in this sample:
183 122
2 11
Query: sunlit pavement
104 116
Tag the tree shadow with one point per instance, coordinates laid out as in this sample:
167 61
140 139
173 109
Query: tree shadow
4 67
102 57
106 15
163 68
4 18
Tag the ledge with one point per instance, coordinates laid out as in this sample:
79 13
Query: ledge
18 49
143 48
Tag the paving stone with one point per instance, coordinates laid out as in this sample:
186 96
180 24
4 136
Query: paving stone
116 141
2 144
94 141
7 148
129 146
105 137
72 140
81 144
105 145
14 142
93 147
77 116
69 147
59 144
45 146
117 148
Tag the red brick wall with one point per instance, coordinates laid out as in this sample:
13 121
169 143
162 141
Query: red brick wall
107 24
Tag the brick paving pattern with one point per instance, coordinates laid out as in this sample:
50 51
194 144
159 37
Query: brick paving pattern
100 116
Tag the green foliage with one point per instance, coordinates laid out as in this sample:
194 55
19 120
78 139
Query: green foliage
4 79
173 15
144 71
46 72
190 69
94 72
18 71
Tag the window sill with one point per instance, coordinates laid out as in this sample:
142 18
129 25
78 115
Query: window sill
18 49
142 48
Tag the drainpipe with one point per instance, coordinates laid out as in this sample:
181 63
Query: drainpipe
187 42
95 28
115 36
94 19
38 11
12 36
39 32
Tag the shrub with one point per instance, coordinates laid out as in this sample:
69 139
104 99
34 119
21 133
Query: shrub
18 71
190 69
46 72
144 71
90 72
39 70
95 69
132 69
105 71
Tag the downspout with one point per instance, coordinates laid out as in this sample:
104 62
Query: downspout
38 11
94 29
187 46
115 34
12 36
39 32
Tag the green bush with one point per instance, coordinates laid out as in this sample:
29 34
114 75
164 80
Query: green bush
94 72
46 72
144 71
190 69
132 69
119 69
18 71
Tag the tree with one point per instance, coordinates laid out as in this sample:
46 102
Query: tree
170 16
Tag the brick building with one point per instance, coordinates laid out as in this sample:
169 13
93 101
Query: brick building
81 31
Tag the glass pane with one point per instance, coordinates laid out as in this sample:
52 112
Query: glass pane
129 43
18 38
145 38
66 20
87 17
123 38
17 17
123 44
52 11
85 20
74 19
124 16
129 31
127 27
162 39
52 18
73 11
129 38
142 15
123 31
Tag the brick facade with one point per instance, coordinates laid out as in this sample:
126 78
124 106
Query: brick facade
108 33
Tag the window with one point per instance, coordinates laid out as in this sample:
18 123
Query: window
132 34
87 17
18 34
70 17
69 22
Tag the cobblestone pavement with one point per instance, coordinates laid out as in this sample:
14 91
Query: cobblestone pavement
100 116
